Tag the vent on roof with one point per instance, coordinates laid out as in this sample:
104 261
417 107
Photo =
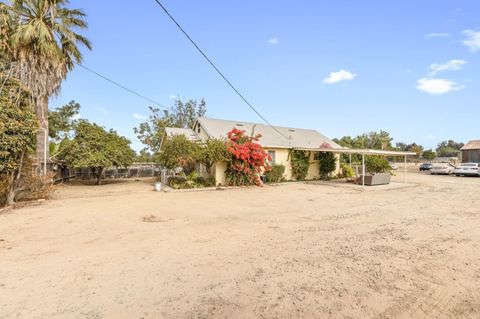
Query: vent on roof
291 130
239 124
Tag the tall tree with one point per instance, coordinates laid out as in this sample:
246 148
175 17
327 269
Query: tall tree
182 114
97 149
18 126
449 148
62 120
44 49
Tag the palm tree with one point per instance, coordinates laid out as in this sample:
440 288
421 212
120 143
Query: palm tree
45 48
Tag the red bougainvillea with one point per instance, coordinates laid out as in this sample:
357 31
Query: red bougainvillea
248 159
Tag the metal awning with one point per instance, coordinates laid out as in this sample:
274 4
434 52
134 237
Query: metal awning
363 152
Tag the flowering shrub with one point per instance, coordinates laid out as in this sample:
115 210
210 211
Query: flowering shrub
247 159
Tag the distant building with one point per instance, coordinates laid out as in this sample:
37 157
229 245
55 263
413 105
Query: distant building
471 152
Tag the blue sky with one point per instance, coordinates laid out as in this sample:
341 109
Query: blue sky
341 67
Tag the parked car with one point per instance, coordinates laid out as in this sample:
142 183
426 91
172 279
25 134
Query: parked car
425 167
467 169
393 166
442 168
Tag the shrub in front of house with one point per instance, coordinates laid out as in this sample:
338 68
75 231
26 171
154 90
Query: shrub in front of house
247 159
346 172
275 175
299 160
327 164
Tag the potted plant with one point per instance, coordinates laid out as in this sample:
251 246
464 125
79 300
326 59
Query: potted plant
378 171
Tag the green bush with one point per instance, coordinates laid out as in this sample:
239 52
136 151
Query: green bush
210 181
327 164
299 161
275 175
376 164
346 171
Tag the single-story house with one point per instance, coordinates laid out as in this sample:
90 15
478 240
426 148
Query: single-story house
471 152
277 145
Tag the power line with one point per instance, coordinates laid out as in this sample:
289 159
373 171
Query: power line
217 69
121 86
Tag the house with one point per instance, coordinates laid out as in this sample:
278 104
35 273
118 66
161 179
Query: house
471 152
277 141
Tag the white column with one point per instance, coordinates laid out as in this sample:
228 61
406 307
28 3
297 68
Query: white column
363 170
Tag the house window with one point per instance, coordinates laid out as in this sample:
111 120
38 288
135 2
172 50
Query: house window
316 156
272 155
198 128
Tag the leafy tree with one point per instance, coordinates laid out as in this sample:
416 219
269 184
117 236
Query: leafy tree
178 151
18 126
182 115
327 164
97 149
62 120
214 150
414 147
429 155
144 157
373 140
42 48
449 148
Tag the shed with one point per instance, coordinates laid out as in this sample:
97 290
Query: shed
471 152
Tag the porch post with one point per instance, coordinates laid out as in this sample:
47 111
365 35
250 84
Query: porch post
363 170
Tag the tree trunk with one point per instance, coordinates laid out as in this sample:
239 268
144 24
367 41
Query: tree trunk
99 176
42 150
11 189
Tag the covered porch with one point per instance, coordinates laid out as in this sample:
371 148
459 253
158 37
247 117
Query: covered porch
364 153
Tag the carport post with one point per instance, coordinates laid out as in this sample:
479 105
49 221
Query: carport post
350 160
363 170
406 178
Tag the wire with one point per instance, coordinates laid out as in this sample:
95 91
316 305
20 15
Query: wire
121 86
218 70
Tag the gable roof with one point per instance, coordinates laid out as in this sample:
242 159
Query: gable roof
472 145
297 138
189 133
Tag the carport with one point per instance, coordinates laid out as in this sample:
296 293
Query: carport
364 152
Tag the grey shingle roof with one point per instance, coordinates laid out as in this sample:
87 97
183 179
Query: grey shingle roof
297 138
472 145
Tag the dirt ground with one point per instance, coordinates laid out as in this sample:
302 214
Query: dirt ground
297 250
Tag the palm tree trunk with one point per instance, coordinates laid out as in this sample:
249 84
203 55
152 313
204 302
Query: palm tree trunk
41 110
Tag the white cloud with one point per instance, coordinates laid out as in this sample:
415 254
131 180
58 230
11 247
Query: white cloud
431 136
452 65
76 117
437 86
139 116
274 41
437 35
342 75
472 40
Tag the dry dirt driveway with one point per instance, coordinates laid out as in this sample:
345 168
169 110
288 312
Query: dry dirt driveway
290 251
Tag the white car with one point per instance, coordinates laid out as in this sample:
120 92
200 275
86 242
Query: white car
442 168
467 169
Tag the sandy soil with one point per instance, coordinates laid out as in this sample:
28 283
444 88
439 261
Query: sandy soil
289 251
